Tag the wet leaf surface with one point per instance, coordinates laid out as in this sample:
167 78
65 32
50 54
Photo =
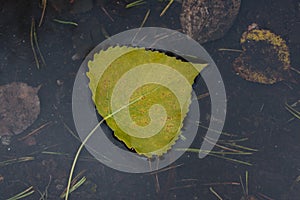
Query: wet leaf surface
108 68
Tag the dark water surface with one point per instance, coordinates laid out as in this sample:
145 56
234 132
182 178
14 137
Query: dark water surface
255 111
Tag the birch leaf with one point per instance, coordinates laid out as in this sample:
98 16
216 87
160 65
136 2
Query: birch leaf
148 91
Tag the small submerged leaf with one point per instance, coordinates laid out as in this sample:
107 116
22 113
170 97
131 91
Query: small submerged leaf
150 91
265 57
19 107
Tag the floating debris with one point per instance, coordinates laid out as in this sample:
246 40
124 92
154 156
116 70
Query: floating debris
265 57
205 20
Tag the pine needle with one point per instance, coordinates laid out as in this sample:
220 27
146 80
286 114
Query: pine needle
241 147
145 18
247 184
135 3
35 45
219 132
65 22
15 160
194 150
32 44
219 154
44 5
35 131
294 112
166 8
232 159
23 194
215 193
232 50
74 187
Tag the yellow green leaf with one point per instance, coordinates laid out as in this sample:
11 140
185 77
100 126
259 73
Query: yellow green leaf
151 92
